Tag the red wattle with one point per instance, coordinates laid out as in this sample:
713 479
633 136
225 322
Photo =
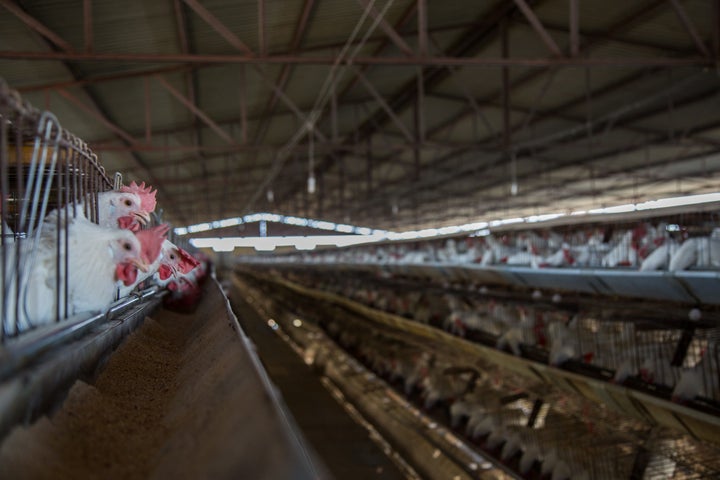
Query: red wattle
165 272
127 272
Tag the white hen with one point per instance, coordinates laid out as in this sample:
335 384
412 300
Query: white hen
96 258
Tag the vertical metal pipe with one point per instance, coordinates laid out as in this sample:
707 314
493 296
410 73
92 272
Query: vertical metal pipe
243 105
321 194
419 122
87 25
148 119
333 112
368 168
574 28
506 106
262 40
341 190
422 27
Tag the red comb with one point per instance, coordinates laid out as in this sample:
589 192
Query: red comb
151 241
188 262
147 196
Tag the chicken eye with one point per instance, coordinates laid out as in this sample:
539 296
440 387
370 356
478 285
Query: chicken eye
172 256
127 246
128 203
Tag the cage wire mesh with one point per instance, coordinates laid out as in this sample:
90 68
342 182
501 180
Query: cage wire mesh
589 438
43 167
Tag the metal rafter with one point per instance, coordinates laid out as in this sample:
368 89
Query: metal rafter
36 25
538 27
467 44
690 27
195 110
468 168
486 167
284 74
94 107
627 22
219 27
385 26
88 25
384 105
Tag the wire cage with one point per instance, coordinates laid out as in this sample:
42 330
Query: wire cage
43 167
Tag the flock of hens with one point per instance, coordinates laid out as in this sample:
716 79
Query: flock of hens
645 247
104 261
632 353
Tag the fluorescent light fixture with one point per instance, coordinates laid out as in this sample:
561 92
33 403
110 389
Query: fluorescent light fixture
341 227
230 222
468 227
428 232
449 230
322 225
629 207
301 222
367 235
679 201
506 221
228 244
200 227
543 218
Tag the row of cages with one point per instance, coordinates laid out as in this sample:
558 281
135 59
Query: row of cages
43 167
72 239
530 428
688 241
670 353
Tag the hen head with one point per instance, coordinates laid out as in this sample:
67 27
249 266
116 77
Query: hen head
175 261
132 205
146 194
126 251
123 210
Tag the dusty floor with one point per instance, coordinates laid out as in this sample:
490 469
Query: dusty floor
170 404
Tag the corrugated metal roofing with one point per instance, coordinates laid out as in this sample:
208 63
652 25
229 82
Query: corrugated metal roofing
569 122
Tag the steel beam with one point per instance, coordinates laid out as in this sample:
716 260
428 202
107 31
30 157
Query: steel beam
690 27
422 28
563 185
534 62
626 22
388 110
218 26
94 109
242 86
195 110
574 28
284 75
148 115
77 82
538 27
35 25
262 37
385 26
500 160
87 25
97 116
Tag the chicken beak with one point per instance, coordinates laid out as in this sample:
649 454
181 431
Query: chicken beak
140 264
142 217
